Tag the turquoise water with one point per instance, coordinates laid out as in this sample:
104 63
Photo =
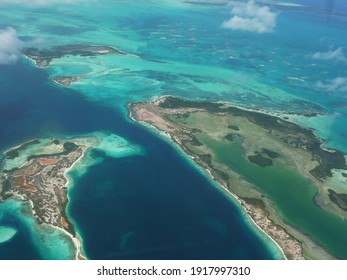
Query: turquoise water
177 52
23 238
6 234
173 48
125 198
291 193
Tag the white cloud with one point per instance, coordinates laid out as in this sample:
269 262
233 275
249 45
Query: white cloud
9 46
251 17
336 85
335 55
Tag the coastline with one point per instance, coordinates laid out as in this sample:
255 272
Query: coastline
246 212
77 240
66 223
33 61
184 122
77 243
40 176
206 172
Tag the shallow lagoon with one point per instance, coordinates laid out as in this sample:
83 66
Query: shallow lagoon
292 194
181 54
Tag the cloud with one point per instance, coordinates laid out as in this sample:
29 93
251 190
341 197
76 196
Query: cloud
336 85
43 2
9 46
335 55
251 17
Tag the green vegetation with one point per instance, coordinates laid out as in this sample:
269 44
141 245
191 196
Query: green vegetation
234 127
59 51
291 133
290 192
264 158
230 136
207 158
339 199
269 161
13 153
260 160
11 170
195 142
270 154
68 148
6 185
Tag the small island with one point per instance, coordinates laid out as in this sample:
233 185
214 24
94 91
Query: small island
66 80
43 57
276 169
40 178
36 172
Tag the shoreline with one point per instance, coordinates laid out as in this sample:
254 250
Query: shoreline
28 58
66 226
249 216
169 117
206 171
43 180
77 240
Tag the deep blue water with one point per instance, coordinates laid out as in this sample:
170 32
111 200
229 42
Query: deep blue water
155 206
31 106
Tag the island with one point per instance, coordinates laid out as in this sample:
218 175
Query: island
43 57
39 177
66 80
277 170
36 172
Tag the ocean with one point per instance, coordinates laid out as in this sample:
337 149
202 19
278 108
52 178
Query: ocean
159 205
152 206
